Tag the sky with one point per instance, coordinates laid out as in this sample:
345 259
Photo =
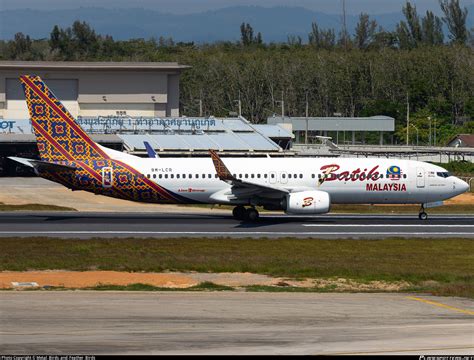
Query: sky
193 6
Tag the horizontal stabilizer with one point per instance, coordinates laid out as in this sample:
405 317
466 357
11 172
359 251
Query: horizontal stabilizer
42 165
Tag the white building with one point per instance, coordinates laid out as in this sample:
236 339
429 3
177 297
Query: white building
96 88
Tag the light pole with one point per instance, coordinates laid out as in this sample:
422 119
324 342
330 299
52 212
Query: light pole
307 114
239 103
282 102
416 133
429 141
408 118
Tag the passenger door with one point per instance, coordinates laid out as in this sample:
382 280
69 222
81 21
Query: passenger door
107 177
420 177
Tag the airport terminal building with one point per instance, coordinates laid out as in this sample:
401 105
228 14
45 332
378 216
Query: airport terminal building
121 105
96 88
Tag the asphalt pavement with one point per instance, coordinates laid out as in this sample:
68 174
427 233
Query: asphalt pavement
199 224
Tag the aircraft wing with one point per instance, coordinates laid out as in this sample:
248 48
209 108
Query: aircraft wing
42 165
240 187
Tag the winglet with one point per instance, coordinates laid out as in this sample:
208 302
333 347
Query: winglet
151 152
222 171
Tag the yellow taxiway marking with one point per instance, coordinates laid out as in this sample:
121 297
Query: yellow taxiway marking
402 350
441 305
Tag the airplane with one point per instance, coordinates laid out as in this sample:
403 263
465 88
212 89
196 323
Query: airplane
296 186
150 151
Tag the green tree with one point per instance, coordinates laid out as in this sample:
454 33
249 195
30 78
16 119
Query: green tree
365 31
321 39
20 47
455 19
432 29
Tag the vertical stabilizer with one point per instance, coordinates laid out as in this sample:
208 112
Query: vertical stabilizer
58 135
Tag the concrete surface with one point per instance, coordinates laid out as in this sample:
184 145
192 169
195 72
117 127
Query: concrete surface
233 323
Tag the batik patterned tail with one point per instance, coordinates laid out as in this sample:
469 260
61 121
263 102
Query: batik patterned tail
58 135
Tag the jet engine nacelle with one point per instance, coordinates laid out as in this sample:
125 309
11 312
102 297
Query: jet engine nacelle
307 202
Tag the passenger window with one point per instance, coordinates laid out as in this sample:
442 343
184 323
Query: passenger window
301 176
166 176
273 176
209 176
197 176
148 176
203 176
172 176
154 176
258 176
252 176
246 176
177 176
265 176
313 176
184 176
216 176
404 176
283 176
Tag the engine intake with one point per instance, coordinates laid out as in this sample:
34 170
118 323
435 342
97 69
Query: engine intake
307 202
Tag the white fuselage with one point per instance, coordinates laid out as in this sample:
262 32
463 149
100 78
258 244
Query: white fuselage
348 181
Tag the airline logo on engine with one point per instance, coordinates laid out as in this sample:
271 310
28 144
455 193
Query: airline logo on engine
307 202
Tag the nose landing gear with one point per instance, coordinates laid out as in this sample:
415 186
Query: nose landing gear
422 215
241 213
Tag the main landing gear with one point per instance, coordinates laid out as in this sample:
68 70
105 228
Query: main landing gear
422 215
241 213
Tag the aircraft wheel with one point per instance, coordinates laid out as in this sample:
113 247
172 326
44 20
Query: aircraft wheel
239 212
252 215
423 216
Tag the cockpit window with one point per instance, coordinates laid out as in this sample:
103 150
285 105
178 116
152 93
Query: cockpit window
443 174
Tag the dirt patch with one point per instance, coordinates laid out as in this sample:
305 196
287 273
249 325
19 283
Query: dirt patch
77 279
463 199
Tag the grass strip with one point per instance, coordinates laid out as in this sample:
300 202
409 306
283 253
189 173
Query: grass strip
439 266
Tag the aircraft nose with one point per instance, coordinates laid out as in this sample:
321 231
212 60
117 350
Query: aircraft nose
462 186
